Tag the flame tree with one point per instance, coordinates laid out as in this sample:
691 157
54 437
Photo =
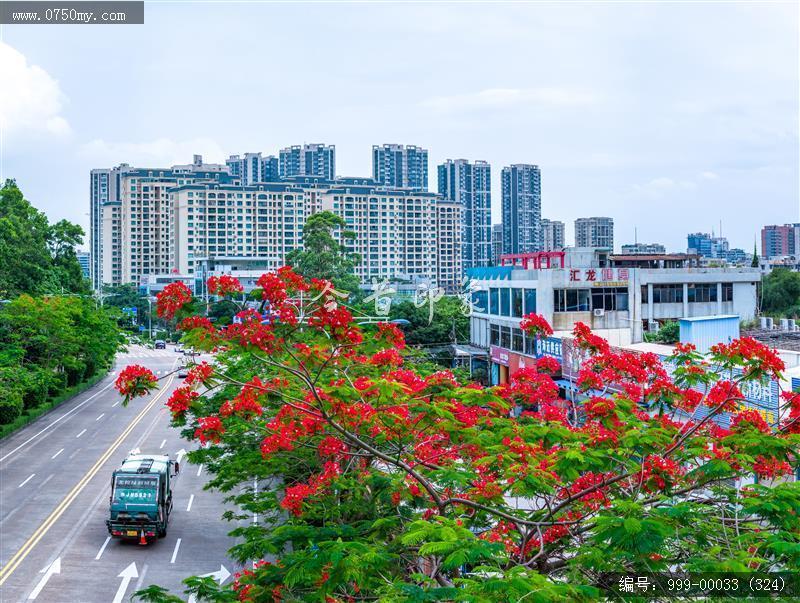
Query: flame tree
381 481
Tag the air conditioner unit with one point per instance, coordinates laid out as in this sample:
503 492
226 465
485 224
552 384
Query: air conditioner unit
599 312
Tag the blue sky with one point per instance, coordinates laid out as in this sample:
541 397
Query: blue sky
669 117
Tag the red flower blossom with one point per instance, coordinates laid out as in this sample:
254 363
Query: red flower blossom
752 418
172 298
548 364
331 446
724 394
195 322
597 407
659 473
391 333
224 285
586 340
181 399
210 429
757 357
200 373
388 357
770 467
535 325
135 380
294 498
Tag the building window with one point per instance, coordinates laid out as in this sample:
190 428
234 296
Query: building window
494 335
530 346
571 300
505 302
644 294
702 293
494 301
516 303
516 340
505 337
480 300
610 298
530 301
727 292
667 294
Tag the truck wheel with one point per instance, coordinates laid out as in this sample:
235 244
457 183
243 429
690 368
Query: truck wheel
163 532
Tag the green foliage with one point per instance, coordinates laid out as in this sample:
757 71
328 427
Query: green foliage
669 333
781 293
50 344
35 256
382 479
325 257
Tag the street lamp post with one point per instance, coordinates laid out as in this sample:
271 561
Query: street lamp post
150 315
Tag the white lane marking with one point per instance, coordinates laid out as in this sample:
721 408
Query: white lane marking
81 433
188 507
102 548
162 444
56 454
127 575
175 550
115 403
49 570
199 469
255 492
66 414
74 453
138 585
29 478
102 414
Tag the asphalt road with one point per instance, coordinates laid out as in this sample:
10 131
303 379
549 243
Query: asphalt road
55 478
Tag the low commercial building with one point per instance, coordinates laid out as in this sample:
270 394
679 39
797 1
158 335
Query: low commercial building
612 294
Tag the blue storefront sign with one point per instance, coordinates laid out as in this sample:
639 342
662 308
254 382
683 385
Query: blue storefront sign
549 346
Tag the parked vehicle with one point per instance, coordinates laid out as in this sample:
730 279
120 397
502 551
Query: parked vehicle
141 497
160 344
183 372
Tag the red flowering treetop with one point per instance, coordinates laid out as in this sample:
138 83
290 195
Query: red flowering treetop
381 480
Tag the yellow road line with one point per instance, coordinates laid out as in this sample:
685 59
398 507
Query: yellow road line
26 548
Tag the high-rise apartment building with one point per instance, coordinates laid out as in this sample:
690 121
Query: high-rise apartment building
161 221
400 234
780 240
497 243
308 160
522 208
470 185
270 169
643 249
83 261
253 168
553 237
131 218
400 166
707 245
595 232
699 243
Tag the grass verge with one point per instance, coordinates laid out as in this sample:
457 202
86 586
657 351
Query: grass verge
32 414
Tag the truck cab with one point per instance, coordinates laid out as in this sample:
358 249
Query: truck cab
141 497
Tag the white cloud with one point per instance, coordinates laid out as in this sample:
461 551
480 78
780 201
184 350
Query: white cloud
709 176
498 98
658 187
155 153
30 99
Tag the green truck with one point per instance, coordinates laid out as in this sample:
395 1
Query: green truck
141 497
